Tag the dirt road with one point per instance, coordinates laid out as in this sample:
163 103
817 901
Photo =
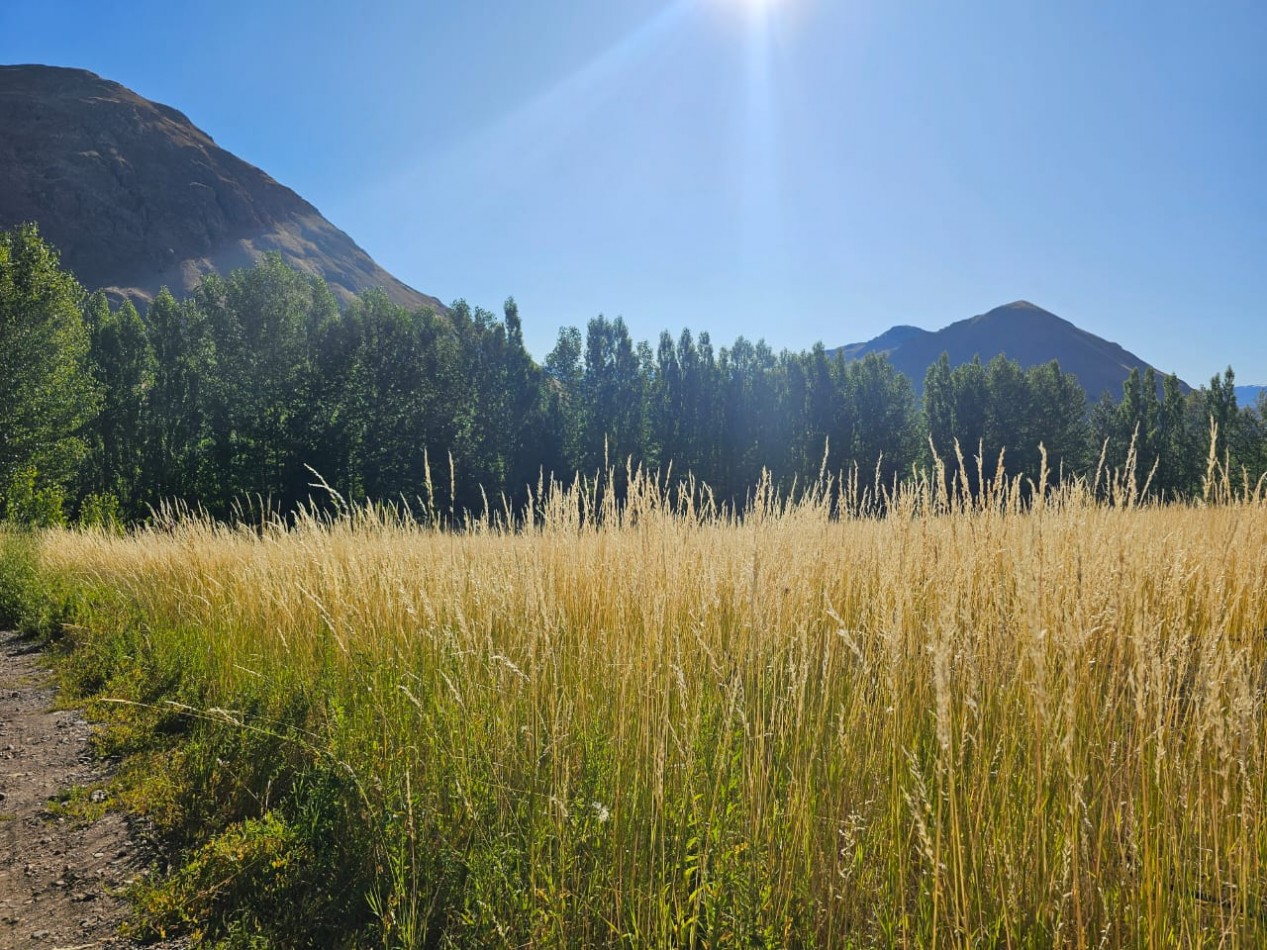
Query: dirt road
60 877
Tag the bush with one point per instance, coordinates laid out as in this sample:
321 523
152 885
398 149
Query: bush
101 510
31 601
30 503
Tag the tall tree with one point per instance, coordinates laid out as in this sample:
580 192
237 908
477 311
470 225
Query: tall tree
565 409
939 406
886 435
1058 420
614 391
46 390
524 432
177 460
261 320
123 365
1220 404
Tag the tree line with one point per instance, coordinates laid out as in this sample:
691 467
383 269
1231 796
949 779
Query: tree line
258 383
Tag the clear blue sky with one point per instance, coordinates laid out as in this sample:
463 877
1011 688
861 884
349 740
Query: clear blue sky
817 169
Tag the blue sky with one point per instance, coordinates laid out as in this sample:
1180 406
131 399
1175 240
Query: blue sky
811 169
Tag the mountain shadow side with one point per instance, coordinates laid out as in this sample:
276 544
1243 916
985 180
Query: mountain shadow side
137 197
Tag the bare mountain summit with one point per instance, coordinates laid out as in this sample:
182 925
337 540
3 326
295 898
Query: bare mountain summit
1020 331
137 197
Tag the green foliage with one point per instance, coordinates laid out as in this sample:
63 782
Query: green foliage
269 826
243 881
31 501
101 511
176 437
230 400
32 600
123 364
81 804
1004 415
18 577
886 429
47 394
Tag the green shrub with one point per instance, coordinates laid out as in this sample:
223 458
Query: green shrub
31 601
101 510
28 501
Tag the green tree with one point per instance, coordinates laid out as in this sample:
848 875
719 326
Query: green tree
971 418
939 406
749 440
1138 417
1179 455
524 432
701 393
1058 420
565 409
262 320
123 366
47 393
669 425
1009 417
614 390
177 440
1220 405
822 403
886 431
403 383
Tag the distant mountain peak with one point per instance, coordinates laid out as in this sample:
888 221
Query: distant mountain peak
1022 331
1249 395
1019 309
136 197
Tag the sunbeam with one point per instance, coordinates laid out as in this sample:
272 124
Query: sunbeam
762 228
542 126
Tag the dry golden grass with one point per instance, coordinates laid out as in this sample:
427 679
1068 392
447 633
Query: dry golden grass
961 724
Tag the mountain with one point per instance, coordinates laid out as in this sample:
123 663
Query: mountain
886 342
1022 332
137 197
1248 395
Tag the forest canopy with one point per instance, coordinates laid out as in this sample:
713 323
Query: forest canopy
258 384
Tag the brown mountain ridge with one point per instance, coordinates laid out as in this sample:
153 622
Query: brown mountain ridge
137 197
1020 331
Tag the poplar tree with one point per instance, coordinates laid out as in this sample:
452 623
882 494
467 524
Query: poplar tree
47 395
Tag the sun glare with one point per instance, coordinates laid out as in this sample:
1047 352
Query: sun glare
757 6
750 7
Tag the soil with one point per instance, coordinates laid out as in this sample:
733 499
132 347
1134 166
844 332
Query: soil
61 876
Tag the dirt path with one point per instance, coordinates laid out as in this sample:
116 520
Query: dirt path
59 878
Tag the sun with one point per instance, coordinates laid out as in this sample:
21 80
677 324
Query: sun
766 22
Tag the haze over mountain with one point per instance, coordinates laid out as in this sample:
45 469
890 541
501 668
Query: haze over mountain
1022 332
137 197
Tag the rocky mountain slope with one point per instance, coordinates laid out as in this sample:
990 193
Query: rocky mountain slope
137 197
1022 332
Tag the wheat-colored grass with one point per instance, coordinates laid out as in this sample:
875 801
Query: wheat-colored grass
965 723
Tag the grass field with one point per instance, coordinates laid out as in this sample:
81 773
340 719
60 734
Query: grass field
965 723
